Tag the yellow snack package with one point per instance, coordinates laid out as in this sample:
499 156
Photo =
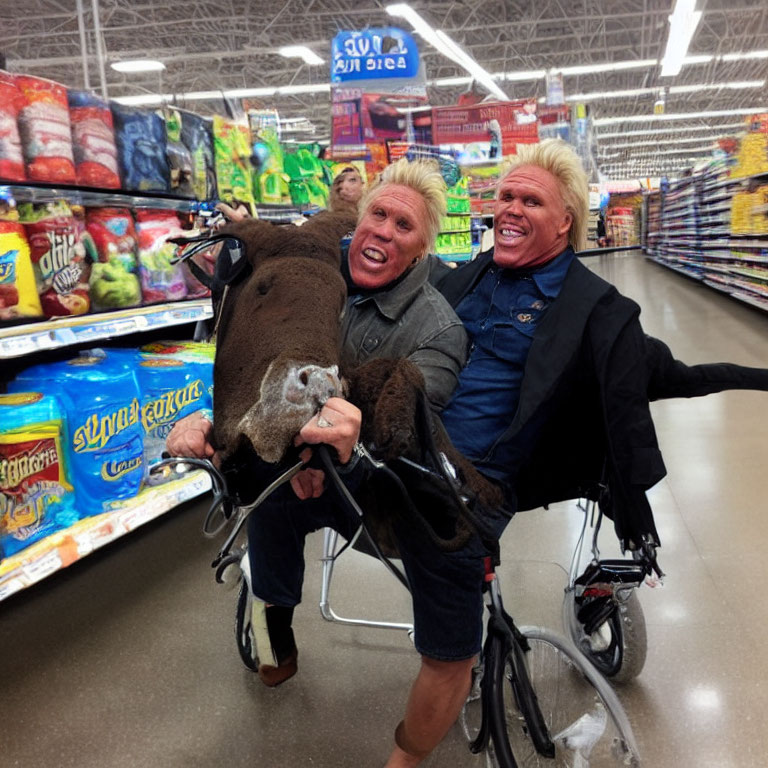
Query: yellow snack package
18 291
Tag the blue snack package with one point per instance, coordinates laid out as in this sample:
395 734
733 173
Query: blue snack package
105 441
141 146
197 137
170 390
36 494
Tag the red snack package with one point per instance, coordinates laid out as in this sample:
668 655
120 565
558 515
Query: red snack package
58 257
93 140
114 282
44 126
161 280
11 159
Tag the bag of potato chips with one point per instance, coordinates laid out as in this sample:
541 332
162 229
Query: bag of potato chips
36 494
58 258
18 293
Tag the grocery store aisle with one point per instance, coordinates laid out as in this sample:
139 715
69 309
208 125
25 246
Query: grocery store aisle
127 658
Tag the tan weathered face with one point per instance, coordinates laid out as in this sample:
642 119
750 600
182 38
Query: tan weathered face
277 350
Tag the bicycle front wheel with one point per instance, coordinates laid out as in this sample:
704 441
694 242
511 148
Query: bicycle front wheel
246 646
585 718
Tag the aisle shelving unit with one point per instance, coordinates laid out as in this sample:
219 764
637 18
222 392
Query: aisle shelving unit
17 341
65 547
688 229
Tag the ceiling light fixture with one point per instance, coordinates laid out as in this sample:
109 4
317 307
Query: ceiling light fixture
598 95
301 52
145 100
138 65
609 66
288 90
676 116
154 99
666 131
246 93
645 155
682 25
445 45
742 56
658 143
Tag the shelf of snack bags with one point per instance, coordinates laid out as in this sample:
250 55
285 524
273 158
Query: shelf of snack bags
29 192
454 242
70 273
718 231
78 439
20 340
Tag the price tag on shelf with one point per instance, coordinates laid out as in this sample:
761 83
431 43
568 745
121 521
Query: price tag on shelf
11 586
16 346
141 322
45 340
43 566
65 336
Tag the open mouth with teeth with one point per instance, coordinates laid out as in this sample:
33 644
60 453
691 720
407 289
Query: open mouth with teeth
511 233
374 255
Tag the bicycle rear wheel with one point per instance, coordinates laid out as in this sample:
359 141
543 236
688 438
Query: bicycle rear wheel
621 650
585 718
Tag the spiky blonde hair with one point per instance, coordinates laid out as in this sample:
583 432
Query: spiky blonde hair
559 159
423 177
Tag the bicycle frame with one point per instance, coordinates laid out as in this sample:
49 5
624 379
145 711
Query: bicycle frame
503 637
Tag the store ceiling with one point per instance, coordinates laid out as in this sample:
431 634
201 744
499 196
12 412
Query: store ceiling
233 44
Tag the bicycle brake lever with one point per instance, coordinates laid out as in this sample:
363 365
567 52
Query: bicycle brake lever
243 512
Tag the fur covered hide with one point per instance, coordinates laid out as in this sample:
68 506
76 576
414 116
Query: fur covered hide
278 353
278 337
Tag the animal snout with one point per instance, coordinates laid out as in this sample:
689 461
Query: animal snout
312 384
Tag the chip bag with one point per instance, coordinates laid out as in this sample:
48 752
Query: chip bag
141 147
18 291
58 257
46 137
160 280
104 448
11 157
93 141
179 156
196 137
114 279
36 493
170 390
232 150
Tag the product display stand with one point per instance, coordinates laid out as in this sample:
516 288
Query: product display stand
66 546
689 228
63 548
19 340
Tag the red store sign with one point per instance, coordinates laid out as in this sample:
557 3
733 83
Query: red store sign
464 125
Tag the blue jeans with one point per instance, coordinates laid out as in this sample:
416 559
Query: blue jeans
446 587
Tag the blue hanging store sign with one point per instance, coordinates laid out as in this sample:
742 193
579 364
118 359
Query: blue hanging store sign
373 54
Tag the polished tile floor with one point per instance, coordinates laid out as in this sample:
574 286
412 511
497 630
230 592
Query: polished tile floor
127 660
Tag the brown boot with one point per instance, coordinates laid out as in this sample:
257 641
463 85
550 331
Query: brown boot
286 668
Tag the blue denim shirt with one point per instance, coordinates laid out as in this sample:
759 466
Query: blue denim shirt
500 315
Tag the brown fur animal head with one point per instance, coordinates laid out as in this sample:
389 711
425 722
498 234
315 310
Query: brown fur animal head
277 351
